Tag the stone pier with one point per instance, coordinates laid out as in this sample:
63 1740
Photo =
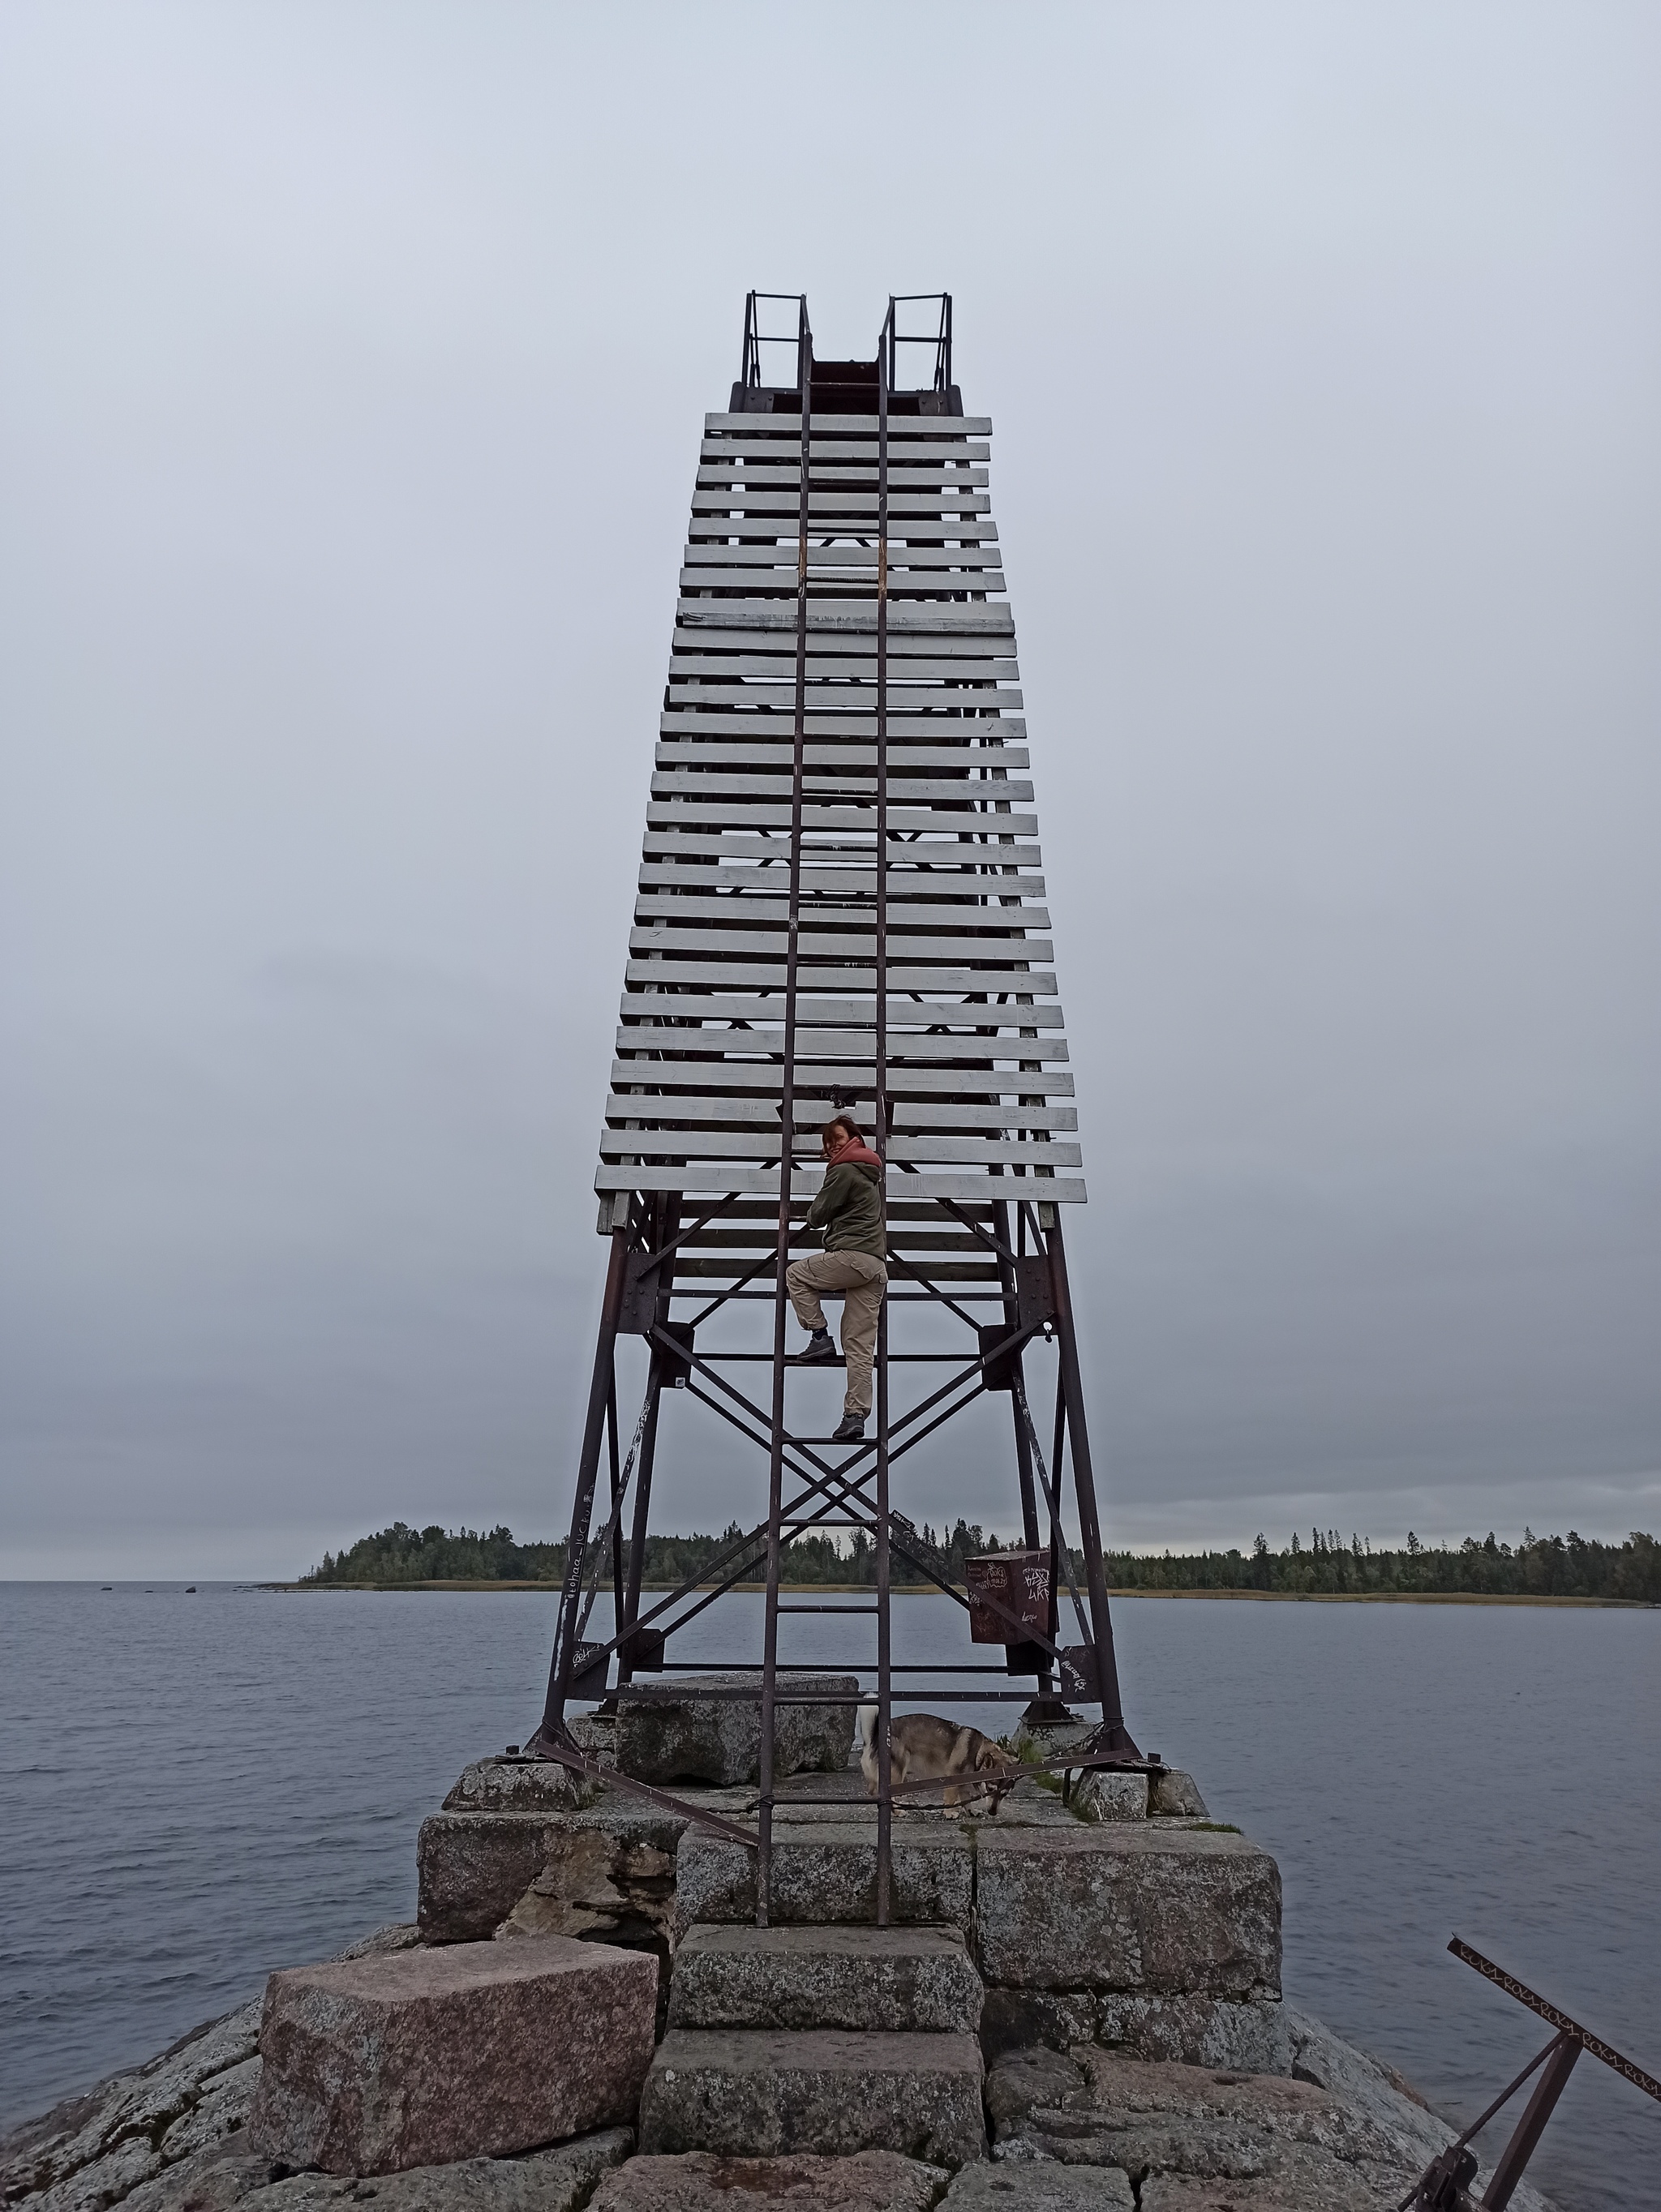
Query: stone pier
1077 2005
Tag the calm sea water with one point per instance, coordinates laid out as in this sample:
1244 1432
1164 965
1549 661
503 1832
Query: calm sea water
199 1788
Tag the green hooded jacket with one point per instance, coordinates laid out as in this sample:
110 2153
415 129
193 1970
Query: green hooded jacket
848 1208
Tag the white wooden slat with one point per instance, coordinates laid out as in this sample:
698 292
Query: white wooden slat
844 557
719 994
767 674
838 815
721 466
975 862
992 926
947 694
851 617
966 530
844 650
763 1078
970 731
849 782
668 814
724 1145
994 878
989 1190
782 698
964 572
918 435
844 627
819 942
904 585
846 499
831 937
842 1045
857 615
927 427
834 557
715 982
905 755
663 1113
831 449
761 490
667 876
694 673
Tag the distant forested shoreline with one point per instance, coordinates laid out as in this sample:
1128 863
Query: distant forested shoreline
1571 1566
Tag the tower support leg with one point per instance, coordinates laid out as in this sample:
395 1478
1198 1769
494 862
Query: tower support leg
1114 1736
635 1566
582 1508
1508 2168
663 1232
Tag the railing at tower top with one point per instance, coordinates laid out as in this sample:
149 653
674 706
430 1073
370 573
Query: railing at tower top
800 340
939 340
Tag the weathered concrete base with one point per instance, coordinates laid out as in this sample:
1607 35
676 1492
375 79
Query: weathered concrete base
1248 2036
518 1785
751 2094
1139 1908
666 1732
1051 1742
607 1875
870 2181
375 2065
893 1980
1175 1794
825 1872
1107 1796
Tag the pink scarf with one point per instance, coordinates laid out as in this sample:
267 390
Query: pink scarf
854 1152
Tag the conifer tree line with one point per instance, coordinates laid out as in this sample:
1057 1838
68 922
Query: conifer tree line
1539 1566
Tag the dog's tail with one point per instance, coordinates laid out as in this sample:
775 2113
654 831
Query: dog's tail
869 1727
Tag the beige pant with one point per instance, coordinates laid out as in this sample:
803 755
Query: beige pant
862 1281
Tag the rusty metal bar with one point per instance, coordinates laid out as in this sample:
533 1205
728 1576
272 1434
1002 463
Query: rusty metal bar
1117 1737
1559 2019
787 1137
1559 2057
881 1119
582 1506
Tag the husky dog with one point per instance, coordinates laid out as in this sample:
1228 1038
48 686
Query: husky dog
923 1748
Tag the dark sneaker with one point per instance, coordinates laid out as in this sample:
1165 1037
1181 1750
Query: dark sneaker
819 1346
852 1429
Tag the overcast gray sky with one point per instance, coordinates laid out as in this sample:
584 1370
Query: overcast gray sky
353 360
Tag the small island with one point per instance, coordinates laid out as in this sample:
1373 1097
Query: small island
1570 1569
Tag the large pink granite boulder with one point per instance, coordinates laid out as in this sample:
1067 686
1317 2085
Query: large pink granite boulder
467 2050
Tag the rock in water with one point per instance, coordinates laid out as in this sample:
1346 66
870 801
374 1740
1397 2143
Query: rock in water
474 2049
666 1732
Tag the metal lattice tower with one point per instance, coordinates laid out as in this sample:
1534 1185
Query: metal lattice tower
840 905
